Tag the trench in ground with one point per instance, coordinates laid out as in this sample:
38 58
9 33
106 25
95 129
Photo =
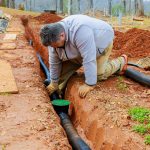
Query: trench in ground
101 119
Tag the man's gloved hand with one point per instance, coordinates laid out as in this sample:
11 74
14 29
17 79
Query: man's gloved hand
84 89
52 87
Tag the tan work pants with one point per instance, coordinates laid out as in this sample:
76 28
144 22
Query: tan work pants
105 68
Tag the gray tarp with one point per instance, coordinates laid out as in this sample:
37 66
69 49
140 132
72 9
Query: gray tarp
3 25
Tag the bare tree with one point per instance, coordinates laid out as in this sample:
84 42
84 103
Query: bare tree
139 7
129 6
91 4
60 6
110 7
7 3
124 5
53 4
70 2
79 6
3 3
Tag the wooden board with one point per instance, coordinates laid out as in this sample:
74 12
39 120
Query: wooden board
13 29
7 81
10 37
7 46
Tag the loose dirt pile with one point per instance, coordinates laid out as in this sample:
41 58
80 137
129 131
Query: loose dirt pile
47 18
135 43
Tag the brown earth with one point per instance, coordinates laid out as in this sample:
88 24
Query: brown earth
102 117
134 43
27 119
45 18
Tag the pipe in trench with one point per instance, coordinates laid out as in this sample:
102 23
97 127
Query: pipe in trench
138 76
45 70
75 140
131 73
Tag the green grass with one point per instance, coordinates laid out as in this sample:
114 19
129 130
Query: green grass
140 114
140 128
147 140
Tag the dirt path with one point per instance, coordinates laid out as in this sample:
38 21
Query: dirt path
27 119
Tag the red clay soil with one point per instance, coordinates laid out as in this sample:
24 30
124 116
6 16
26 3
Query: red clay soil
135 43
102 117
27 119
45 18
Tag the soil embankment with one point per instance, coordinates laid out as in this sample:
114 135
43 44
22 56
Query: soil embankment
27 119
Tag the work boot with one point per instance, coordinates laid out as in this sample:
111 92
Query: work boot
123 66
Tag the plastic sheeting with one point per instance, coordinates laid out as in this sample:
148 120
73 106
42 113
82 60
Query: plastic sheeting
3 25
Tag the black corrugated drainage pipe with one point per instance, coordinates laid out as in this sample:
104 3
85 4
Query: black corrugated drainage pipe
75 140
138 76
45 70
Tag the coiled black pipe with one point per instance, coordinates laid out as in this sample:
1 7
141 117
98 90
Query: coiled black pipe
138 76
75 140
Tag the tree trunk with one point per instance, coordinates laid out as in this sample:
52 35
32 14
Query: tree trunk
53 5
139 7
79 7
12 3
3 3
7 3
69 7
60 6
91 4
125 6
109 7
129 6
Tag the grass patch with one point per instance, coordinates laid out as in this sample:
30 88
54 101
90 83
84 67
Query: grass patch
140 114
121 85
140 129
147 140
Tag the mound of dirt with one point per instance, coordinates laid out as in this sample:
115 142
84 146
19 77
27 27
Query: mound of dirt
134 43
47 18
